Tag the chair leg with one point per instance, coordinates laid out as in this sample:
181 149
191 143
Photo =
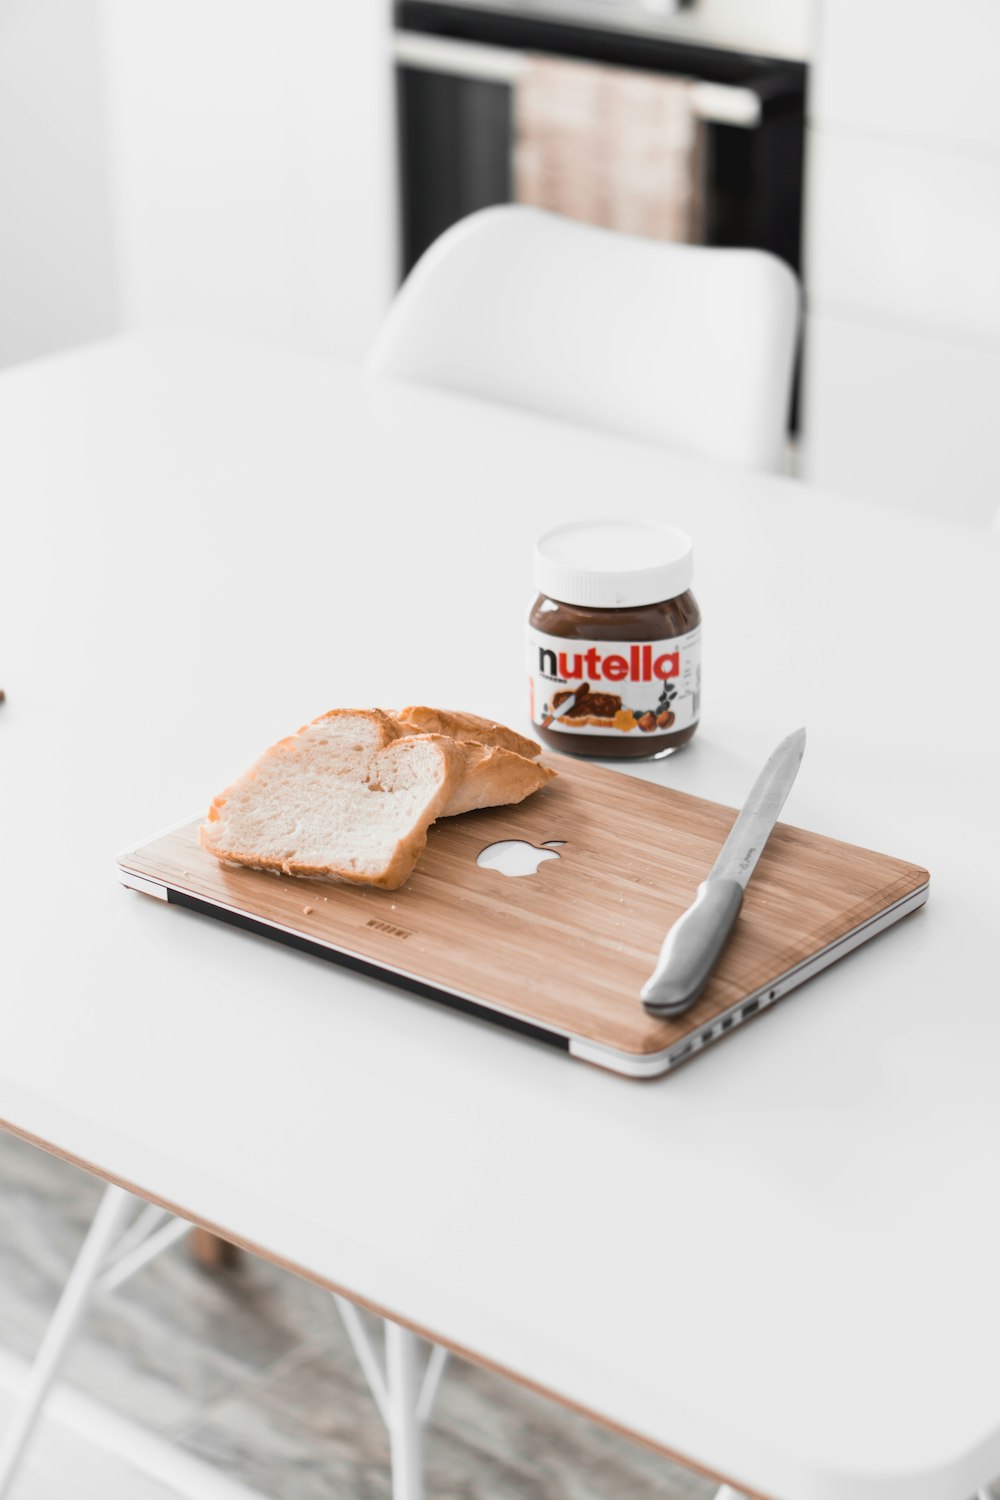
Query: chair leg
212 1253
107 1225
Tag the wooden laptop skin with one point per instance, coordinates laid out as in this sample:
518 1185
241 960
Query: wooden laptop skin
568 947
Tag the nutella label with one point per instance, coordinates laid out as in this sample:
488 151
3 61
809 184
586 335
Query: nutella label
614 687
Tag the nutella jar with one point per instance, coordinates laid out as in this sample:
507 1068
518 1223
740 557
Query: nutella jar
614 640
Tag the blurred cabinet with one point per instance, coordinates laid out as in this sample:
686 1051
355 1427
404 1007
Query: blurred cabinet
904 417
917 69
902 373
906 233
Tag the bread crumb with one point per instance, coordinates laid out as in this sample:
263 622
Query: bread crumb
307 911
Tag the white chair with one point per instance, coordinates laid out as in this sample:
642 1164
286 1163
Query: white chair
683 345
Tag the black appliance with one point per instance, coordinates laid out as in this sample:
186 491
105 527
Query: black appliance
455 66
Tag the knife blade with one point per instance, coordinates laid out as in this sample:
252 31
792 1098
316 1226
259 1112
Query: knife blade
693 944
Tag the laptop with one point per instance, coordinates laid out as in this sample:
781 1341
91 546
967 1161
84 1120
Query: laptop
547 917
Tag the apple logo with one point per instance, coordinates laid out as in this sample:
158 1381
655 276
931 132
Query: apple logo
516 856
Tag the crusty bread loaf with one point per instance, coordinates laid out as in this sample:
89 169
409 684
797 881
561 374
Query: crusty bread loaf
353 794
493 777
347 795
500 767
467 728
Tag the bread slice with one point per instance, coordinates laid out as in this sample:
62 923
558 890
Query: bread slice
349 795
467 728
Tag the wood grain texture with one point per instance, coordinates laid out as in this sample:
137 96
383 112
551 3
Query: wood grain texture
570 946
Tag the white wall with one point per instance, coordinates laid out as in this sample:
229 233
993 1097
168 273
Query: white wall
251 149
57 256
903 249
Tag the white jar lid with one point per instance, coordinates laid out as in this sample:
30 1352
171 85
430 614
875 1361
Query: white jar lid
613 564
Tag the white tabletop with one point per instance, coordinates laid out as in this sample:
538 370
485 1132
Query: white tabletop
779 1263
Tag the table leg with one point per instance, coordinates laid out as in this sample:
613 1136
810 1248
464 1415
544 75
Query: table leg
402 1392
110 1255
105 1229
406 1431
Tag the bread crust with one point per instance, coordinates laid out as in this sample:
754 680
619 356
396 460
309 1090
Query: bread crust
500 765
467 728
495 777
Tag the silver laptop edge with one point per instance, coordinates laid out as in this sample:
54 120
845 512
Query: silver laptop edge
632 1065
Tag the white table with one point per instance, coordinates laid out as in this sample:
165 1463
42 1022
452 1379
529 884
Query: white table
779 1264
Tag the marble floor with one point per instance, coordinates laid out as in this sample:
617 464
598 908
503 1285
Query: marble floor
249 1369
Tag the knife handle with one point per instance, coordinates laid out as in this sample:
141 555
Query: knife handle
691 948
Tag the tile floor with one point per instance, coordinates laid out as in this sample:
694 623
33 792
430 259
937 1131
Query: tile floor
250 1370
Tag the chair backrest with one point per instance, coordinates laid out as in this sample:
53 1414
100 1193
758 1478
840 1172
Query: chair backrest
684 345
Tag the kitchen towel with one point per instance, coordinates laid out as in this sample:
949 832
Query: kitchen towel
610 146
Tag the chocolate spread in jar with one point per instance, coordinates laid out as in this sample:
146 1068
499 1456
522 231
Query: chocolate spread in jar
629 671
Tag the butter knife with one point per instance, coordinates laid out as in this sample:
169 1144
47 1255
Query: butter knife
692 946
